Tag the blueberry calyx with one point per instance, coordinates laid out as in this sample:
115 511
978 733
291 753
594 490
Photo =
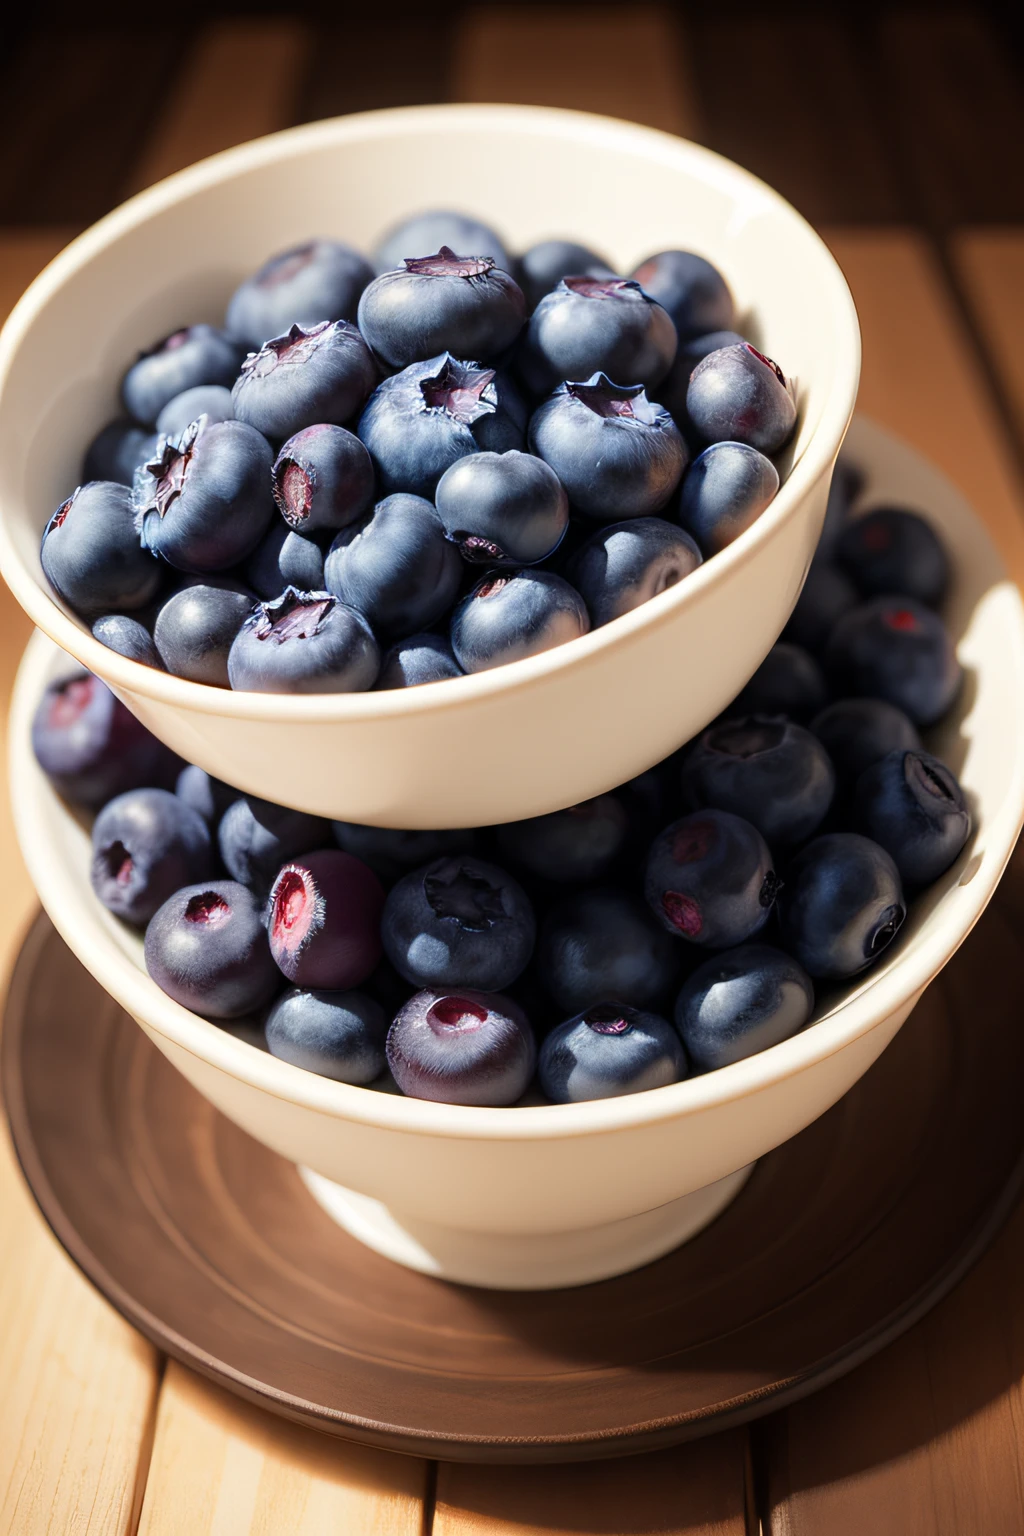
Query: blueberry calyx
69 700
294 486
771 885
692 842
887 929
169 343
683 912
283 271
455 1013
747 738
118 862
468 899
294 615
626 401
462 390
769 362
924 779
295 906
475 548
57 520
296 346
208 909
902 620
445 263
602 287
607 1019
492 585
169 466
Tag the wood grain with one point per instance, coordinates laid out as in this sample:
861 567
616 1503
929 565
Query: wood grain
990 263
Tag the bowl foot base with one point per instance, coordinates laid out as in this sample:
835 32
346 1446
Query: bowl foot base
524 1262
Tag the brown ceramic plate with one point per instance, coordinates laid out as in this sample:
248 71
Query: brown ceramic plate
211 1246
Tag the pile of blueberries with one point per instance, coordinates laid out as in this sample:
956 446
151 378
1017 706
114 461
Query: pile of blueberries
673 926
378 480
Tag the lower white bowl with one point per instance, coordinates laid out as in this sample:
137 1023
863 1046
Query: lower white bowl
559 1195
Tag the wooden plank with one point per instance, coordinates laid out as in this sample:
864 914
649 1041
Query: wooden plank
222 1468
700 1489
369 69
990 263
23 255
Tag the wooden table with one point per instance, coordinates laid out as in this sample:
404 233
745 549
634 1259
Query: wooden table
871 132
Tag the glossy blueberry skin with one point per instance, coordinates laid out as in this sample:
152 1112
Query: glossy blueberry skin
196 627
420 421
90 746
624 565
323 920
128 637
441 303
459 922
891 550
609 1050
693 291
418 659
396 567
514 614
912 805
306 285
146 844
203 501
336 1034
601 944
724 492
765 768
202 793
198 354
426 232
788 682
826 595
710 879
841 906
738 395
91 553
617 454
859 732
588 325
283 559
742 1002
391 852
210 400
322 479
116 452
671 392
256 837
207 948
579 843
464 1046
323 373
895 649
304 642
542 267
502 508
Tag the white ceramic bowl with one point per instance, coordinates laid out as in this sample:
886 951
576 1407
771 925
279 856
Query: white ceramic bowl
561 1194
521 739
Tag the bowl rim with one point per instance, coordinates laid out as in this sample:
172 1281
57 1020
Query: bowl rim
162 688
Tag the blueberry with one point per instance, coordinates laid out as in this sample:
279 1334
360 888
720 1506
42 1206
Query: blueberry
788 682
858 732
892 551
464 1047
323 920
203 501
725 490
738 395
337 1034
542 267
207 948
609 1050
127 636
418 659
842 905
396 567
426 232
306 285
601 943
210 400
912 805
617 454
392 853
765 768
304 642
502 508
441 303
826 595
322 479
597 324
420 421
201 792
742 1002
195 629
578 843
117 451
199 354
895 649
458 922
709 879
146 844
323 373
282 559
693 291
846 485
513 614
256 837
671 392
624 565
90 746
91 553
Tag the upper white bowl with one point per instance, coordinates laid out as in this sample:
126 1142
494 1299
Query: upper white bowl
521 739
